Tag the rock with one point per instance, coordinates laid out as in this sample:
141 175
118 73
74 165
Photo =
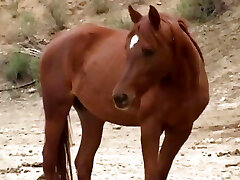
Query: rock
229 153
220 154
35 164
117 127
236 152
234 164
237 140
209 140
32 90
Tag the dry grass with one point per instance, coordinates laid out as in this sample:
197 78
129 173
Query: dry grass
119 20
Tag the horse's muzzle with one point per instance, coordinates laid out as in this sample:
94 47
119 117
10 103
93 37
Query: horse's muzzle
121 101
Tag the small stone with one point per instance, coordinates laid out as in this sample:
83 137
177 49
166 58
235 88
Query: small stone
236 152
32 90
219 140
237 140
117 127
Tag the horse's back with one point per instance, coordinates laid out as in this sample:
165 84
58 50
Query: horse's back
69 49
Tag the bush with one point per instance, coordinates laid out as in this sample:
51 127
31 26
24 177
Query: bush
201 10
22 67
28 23
58 10
99 6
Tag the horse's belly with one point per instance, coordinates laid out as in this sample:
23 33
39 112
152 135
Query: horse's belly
95 85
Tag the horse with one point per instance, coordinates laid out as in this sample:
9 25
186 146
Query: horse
152 76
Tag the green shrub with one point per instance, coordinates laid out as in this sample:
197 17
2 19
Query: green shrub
28 23
58 11
34 64
22 67
100 6
201 10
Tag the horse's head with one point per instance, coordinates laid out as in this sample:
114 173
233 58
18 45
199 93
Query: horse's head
149 57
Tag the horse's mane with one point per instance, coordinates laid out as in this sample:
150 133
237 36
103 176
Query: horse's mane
184 27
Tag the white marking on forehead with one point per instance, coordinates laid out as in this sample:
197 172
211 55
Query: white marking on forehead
133 41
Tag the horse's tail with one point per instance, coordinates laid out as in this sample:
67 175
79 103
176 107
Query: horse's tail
64 157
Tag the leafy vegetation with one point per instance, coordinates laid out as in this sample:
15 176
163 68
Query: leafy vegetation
22 67
201 10
58 10
100 6
27 23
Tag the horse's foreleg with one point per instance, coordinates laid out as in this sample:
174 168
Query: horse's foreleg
150 135
173 141
91 138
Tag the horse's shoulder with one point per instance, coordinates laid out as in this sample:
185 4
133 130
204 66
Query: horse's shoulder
196 104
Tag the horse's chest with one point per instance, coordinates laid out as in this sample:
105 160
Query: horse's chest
168 109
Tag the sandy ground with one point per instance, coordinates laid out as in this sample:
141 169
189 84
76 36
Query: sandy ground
211 153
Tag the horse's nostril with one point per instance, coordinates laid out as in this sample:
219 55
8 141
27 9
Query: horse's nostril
124 98
121 101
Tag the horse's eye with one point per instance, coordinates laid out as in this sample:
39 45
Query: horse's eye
147 52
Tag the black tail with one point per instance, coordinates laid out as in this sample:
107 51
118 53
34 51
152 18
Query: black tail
64 156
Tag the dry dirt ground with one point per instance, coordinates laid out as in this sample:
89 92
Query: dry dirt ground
211 153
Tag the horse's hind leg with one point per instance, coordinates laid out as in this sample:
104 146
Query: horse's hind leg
57 104
91 138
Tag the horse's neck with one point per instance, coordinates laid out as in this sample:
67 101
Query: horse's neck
185 75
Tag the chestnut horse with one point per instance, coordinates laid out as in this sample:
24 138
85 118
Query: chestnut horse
152 77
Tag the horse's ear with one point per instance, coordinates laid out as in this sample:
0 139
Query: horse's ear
135 16
154 17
